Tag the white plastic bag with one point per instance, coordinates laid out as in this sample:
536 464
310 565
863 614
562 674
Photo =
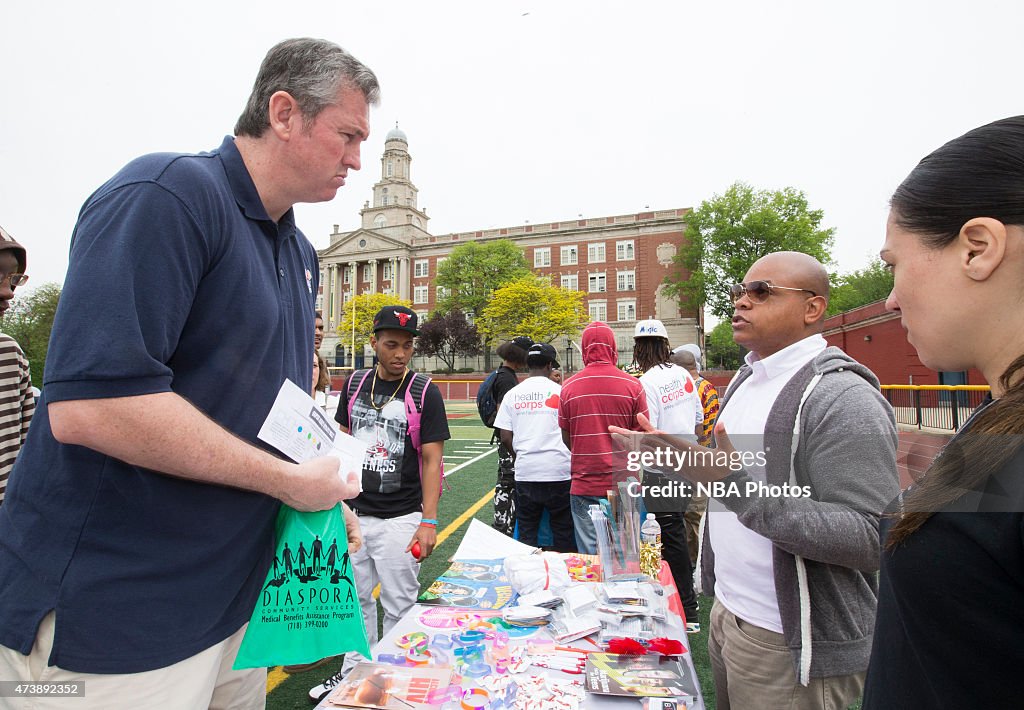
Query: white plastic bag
534 573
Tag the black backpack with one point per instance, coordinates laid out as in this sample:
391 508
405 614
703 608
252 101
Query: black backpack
486 404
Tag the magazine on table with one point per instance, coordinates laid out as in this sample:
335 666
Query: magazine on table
648 675
389 687
471 584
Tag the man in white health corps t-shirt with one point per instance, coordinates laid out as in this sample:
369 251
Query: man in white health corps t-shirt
675 408
527 423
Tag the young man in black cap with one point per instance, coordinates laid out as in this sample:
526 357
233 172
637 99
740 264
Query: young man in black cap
527 423
17 403
401 415
513 359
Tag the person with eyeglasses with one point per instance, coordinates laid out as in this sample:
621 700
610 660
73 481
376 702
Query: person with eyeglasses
17 397
139 522
790 547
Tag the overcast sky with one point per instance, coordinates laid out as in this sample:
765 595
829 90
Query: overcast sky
518 110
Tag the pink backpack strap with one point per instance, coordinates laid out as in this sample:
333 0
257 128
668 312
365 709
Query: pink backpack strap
414 415
352 392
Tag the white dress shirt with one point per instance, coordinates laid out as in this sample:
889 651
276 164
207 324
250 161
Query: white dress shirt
744 571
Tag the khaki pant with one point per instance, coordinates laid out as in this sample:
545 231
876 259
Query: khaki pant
203 681
753 669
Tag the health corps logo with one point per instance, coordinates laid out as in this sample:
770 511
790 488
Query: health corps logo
536 401
673 392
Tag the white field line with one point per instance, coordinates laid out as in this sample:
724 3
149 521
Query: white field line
466 463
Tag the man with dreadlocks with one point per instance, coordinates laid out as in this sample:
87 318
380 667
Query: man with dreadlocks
674 407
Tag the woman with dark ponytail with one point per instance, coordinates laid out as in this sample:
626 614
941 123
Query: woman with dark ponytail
950 621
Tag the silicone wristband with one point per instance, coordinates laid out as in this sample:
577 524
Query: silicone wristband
428 521
478 670
467 638
418 656
416 638
475 698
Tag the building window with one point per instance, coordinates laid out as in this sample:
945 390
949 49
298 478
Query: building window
598 310
625 280
627 310
419 294
391 168
597 283
366 273
542 256
347 275
570 256
421 268
624 250
570 282
442 293
387 271
595 253
380 221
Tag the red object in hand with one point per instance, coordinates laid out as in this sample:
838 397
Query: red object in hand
415 549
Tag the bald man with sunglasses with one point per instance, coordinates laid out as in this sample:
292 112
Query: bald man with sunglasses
791 549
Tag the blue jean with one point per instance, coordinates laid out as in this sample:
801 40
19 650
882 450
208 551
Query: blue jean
586 535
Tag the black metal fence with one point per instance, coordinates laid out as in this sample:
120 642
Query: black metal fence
934 406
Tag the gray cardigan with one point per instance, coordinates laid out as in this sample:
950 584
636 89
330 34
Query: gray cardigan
830 428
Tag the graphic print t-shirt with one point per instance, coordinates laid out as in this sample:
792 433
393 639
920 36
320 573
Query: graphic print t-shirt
391 471
530 411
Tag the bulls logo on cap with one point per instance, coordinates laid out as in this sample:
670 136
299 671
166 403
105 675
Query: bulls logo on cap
396 318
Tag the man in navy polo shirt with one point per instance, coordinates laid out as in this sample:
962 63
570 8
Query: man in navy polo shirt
138 525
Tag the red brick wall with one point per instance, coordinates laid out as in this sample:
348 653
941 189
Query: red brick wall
876 339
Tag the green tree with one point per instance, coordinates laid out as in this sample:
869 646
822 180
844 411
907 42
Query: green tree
29 321
858 288
365 306
447 335
532 306
729 232
721 351
474 271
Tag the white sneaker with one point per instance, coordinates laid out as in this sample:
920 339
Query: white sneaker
693 627
317 692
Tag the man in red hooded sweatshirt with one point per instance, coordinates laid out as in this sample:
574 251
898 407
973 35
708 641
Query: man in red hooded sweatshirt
596 397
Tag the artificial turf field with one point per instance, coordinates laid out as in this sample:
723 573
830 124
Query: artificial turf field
471 465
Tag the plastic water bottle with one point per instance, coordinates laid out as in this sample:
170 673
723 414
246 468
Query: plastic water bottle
650 546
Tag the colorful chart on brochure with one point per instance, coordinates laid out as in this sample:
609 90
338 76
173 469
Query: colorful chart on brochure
471 584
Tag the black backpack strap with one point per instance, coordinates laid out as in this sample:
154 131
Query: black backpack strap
354 382
416 389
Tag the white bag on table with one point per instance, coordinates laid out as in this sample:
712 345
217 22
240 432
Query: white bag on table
534 573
